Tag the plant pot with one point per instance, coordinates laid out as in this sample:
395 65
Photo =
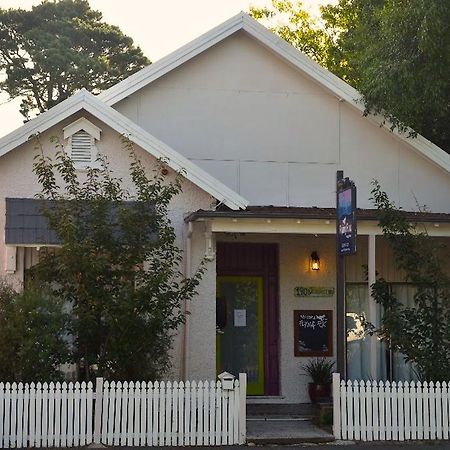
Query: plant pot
317 392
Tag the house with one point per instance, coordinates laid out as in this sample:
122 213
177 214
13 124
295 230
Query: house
260 131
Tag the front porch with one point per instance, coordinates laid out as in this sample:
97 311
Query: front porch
293 234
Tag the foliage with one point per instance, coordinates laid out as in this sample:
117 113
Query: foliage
395 52
399 52
297 26
33 340
118 265
421 332
59 47
320 370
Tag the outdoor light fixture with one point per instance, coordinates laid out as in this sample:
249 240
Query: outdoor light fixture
314 261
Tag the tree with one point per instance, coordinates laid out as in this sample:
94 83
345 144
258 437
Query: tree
59 47
293 23
421 332
33 335
395 52
118 265
400 53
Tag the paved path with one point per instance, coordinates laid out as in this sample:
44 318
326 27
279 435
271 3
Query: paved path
284 430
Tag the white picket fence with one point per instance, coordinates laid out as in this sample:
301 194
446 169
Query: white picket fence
177 414
46 414
383 411
122 414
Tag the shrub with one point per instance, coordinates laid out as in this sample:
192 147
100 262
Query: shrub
33 341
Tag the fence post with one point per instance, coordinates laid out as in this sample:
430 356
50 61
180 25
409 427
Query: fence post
337 405
98 409
242 408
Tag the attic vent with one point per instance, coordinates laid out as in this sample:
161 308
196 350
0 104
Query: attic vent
81 147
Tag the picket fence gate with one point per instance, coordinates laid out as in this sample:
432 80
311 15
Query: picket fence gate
122 414
384 411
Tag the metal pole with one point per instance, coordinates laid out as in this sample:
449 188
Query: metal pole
341 331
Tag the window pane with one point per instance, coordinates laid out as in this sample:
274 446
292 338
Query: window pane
401 370
358 348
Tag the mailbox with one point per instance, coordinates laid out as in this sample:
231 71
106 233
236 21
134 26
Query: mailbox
227 380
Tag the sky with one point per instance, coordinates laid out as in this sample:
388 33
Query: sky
157 26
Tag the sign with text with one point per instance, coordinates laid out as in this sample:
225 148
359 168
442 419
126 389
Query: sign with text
346 217
313 291
313 333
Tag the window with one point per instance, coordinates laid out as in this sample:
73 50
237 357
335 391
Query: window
390 365
82 136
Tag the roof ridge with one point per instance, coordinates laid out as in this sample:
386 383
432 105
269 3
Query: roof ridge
335 85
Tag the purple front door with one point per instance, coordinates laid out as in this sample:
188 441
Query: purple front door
259 261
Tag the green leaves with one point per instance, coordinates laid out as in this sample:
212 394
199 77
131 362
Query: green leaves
33 335
421 331
295 25
118 266
395 52
399 52
57 48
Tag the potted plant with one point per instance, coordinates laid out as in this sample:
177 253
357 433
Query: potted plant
320 370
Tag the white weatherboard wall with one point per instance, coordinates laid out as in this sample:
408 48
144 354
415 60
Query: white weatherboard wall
18 180
277 138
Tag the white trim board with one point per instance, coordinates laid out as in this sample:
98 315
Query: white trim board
310 68
83 100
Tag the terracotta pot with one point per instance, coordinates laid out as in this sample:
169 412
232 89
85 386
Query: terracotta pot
318 392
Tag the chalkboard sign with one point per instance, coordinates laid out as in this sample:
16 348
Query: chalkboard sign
313 333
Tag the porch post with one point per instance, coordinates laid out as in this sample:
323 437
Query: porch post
372 304
341 327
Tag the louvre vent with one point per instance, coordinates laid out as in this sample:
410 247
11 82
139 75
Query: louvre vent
81 147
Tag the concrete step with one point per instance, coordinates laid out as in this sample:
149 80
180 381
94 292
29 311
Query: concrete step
278 418
282 409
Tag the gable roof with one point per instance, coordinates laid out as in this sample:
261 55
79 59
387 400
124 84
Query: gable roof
279 46
84 100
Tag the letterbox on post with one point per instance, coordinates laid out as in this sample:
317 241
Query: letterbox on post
227 380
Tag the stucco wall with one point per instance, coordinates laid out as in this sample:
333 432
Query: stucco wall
18 180
201 363
268 132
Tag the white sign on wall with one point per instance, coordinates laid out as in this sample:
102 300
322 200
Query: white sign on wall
240 317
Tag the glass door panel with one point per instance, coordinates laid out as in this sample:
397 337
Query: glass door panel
240 329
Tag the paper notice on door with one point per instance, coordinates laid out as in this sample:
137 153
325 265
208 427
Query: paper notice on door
240 317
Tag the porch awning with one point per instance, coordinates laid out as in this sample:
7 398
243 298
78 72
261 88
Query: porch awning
298 220
281 212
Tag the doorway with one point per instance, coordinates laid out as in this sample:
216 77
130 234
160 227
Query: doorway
247 314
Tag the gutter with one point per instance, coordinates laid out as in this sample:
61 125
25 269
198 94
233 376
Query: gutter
308 213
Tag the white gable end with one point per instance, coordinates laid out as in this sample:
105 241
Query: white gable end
268 131
85 101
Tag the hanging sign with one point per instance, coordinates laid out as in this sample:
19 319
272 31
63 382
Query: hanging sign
346 217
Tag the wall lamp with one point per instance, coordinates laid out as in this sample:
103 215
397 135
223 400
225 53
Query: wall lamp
314 261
